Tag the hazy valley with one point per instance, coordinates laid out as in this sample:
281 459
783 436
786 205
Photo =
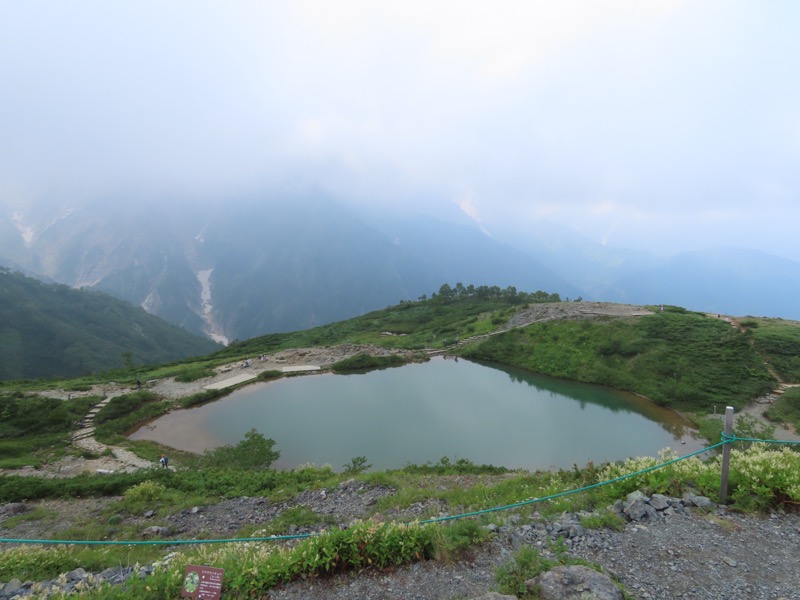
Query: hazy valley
278 264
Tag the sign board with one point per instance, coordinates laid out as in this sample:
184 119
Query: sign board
202 583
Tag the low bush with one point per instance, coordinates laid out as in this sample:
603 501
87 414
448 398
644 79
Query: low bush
786 408
194 373
267 375
122 406
254 452
361 362
202 397
458 466
759 476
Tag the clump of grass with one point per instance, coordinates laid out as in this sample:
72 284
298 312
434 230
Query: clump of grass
194 373
364 361
786 408
605 519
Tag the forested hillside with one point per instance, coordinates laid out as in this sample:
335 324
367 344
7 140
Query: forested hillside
55 331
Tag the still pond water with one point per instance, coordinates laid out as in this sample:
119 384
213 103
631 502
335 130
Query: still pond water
422 412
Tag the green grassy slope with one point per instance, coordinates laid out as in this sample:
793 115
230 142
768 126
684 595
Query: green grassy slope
55 331
677 358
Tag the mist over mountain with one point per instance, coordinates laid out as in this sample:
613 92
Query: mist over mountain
241 267
720 280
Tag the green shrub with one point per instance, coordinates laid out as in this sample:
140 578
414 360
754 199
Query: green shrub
122 406
510 577
455 537
786 408
146 491
267 375
253 452
605 519
202 397
459 466
23 415
194 373
362 361
357 464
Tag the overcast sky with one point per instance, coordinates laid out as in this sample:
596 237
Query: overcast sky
664 126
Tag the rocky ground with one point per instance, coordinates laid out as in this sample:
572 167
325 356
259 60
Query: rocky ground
677 548
687 553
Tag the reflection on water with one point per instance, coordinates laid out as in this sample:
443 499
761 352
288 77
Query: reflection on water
608 398
423 412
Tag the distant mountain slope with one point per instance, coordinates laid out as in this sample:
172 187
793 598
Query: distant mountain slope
51 330
272 264
731 281
284 262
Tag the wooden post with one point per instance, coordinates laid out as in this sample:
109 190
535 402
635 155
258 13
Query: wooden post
726 457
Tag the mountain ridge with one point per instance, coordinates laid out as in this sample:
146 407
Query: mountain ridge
280 263
52 330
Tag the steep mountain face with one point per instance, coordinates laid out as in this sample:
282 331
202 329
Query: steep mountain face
262 265
266 266
49 330
130 251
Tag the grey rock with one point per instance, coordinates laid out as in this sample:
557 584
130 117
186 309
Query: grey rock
156 531
78 574
517 540
15 508
640 510
115 575
690 499
659 502
11 588
495 596
574 582
576 531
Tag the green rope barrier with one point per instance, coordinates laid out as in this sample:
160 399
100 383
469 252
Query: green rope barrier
726 439
271 538
575 491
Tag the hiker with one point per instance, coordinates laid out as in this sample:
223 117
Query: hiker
164 461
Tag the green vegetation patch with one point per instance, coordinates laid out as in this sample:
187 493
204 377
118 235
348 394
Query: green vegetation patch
786 408
363 362
527 563
452 313
194 373
35 429
779 342
676 358
22 414
123 413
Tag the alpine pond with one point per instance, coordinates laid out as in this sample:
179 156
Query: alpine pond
421 413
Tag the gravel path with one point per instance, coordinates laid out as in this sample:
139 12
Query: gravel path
696 556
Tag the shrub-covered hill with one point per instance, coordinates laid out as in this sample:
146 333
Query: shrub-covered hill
676 357
51 330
